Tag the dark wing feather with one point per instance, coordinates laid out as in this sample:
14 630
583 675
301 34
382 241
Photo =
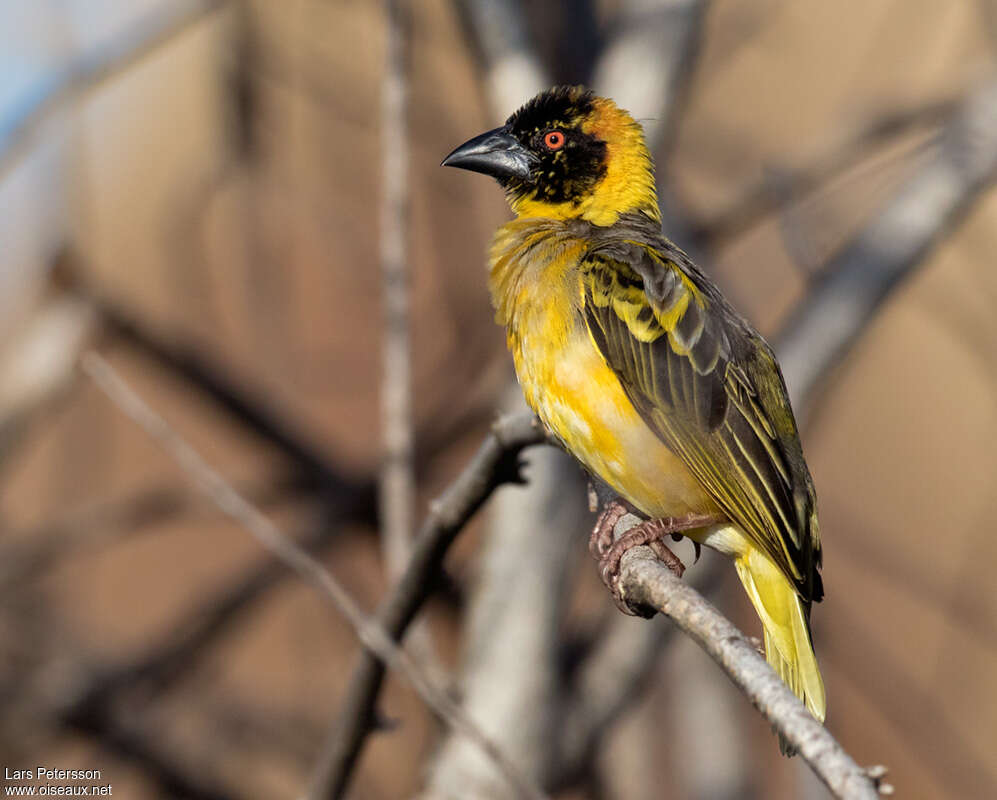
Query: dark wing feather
709 386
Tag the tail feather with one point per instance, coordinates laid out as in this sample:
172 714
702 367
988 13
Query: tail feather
785 620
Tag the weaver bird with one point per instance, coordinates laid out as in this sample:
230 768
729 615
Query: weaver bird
639 366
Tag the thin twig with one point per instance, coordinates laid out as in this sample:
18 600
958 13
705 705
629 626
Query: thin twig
793 186
662 33
397 485
240 401
645 581
610 680
34 551
495 463
513 72
371 634
859 279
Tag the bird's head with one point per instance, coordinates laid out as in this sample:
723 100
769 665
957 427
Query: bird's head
567 154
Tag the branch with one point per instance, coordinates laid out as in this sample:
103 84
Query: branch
397 482
771 196
513 70
647 63
37 366
611 679
519 596
646 582
495 463
33 551
245 405
833 315
371 634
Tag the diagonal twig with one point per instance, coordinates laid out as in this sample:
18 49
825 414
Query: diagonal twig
861 277
646 581
371 634
495 463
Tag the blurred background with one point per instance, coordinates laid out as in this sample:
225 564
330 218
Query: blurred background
210 194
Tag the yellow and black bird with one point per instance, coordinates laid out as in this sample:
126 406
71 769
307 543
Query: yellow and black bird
633 359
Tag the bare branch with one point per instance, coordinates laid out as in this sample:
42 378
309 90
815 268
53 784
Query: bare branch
37 365
241 402
99 525
371 634
646 582
495 463
648 59
397 484
769 196
611 678
863 275
518 597
513 71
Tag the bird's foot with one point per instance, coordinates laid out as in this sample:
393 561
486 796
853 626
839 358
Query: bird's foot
650 533
602 536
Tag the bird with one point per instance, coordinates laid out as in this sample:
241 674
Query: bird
641 369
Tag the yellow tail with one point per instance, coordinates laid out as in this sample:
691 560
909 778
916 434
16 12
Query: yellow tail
788 648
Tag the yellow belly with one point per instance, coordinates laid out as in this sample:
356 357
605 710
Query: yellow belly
580 399
535 288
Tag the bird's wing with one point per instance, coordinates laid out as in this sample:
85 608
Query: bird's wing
710 388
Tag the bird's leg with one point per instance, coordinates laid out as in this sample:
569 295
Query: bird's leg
651 533
602 537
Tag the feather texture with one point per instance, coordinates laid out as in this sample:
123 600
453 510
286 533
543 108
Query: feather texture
708 385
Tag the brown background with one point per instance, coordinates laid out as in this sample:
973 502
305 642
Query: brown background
268 266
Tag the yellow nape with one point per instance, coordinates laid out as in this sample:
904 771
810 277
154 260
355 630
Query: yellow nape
628 184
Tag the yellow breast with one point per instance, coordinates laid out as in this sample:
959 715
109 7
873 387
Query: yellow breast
566 381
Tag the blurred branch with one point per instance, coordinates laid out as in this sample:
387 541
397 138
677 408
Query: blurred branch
164 662
648 60
89 70
142 744
914 709
922 581
611 678
37 365
396 497
759 202
647 583
513 72
372 635
495 463
245 406
861 277
32 552
518 597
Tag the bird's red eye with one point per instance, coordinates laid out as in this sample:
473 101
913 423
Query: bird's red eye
554 140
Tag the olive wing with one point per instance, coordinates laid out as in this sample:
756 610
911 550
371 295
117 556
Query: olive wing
710 388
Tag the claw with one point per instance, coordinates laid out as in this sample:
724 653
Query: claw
650 533
602 536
